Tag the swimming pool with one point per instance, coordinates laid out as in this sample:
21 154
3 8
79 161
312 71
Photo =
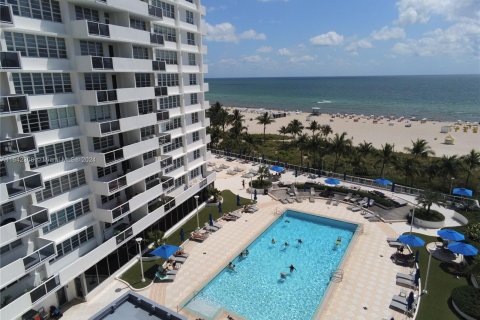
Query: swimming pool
255 290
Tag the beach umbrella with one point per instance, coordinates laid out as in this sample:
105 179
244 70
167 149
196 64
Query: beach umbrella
254 194
296 173
210 219
462 192
182 235
462 248
238 200
332 181
411 240
383 182
449 234
220 209
277 169
165 251
410 300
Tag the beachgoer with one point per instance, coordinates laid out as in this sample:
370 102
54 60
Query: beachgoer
283 275
243 183
339 241
286 244
400 249
231 266
273 241
292 268
299 241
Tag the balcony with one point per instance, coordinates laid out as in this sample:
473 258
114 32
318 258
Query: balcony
164 138
27 183
6 17
156 39
36 217
155 12
100 129
159 65
111 213
10 60
10 105
117 64
121 95
13 147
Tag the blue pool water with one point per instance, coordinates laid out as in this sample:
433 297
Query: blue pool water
256 292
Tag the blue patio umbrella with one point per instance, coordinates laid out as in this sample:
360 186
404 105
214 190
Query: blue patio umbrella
254 194
210 219
462 192
165 251
449 234
383 181
463 248
238 200
277 169
220 209
182 235
411 240
332 181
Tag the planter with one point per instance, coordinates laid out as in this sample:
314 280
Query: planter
463 315
428 224
474 281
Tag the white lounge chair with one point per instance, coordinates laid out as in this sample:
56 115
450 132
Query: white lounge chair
405 282
348 197
406 276
311 199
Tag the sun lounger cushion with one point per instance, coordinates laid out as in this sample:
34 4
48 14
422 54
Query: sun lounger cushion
356 209
392 239
399 306
395 244
405 276
179 259
405 282
289 200
284 201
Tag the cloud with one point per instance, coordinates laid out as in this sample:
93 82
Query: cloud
305 58
252 35
330 38
360 44
420 11
284 52
252 59
265 49
228 61
226 32
387 33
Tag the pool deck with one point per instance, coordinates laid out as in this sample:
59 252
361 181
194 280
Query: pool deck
365 291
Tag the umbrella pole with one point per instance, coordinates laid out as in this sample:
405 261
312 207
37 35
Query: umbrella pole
413 217
424 291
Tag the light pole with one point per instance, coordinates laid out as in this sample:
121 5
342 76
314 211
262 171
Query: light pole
140 257
425 291
198 221
413 217
251 189
451 184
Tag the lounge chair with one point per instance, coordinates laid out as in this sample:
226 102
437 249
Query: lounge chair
200 237
298 200
368 215
354 198
290 200
374 219
210 228
335 203
363 202
329 201
355 209
392 239
311 199
406 276
178 259
231 172
164 278
284 201
235 214
348 197
399 306
312 191
217 225
229 217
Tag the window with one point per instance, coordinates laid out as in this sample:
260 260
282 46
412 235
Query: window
99 113
101 172
193 98
192 59
192 79
173 124
55 153
30 45
169 34
147 132
61 217
7 208
177 163
176 143
106 199
168 9
103 143
169 102
191 38
49 9
57 186
196 154
194 173
140 52
41 83
170 57
179 182
195 136
149 155
95 81
74 242
189 17
91 48
3 169
145 106
168 80
82 13
138 24
142 80
46 120
195 117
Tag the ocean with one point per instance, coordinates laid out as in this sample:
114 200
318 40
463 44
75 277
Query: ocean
446 98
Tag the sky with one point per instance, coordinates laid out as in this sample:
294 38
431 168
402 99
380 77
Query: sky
274 38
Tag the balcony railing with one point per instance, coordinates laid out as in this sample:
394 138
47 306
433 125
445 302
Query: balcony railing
35 220
43 289
166 162
5 14
117 184
15 146
169 205
98 29
164 138
167 183
120 210
159 66
10 60
11 104
161 91
109 126
42 254
106 95
163 115
102 63
114 155
155 11
123 236
24 185
156 38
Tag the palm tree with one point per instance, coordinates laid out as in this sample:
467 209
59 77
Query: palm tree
214 132
221 119
235 117
326 130
357 161
265 119
263 173
428 197
386 155
471 162
295 127
420 148
365 148
302 144
314 126
213 111
339 145
448 167
236 132
409 166
283 131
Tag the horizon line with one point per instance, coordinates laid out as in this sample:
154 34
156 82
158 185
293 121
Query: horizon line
351 76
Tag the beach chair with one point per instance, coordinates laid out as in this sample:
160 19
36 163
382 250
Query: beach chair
402 307
217 225
355 208
368 215
311 199
348 197
231 172
354 198
290 200
284 201
229 217
298 200
164 278
406 276
392 239
178 259
395 244
236 214
312 191
210 228
335 203
329 201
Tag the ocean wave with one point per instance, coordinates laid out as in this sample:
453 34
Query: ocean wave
324 101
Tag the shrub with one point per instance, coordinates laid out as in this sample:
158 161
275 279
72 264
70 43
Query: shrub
433 215
467 299
259 184
473 231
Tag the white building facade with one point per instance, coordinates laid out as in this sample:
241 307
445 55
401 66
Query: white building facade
103 138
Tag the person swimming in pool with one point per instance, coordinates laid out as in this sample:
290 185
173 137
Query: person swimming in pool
283 275
299 241
292 268
231 266
273 241
287 221
339 241
286 244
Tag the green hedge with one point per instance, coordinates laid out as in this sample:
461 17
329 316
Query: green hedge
467 299
257 184
433 215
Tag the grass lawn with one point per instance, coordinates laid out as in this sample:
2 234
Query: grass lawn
133 275
436 304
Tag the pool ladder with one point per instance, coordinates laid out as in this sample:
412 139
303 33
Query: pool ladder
337 275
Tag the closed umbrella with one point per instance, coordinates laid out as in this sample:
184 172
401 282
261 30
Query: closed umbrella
182 235
238 200
462 192
449 234
254 194
332 181
210 219
220 209
165 251
411 240
417 277
417 256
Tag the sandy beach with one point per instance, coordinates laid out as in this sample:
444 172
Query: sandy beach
379 130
